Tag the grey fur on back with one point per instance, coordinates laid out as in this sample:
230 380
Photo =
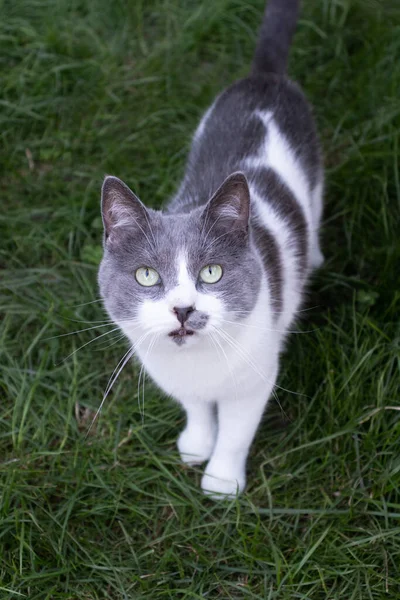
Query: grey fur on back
232 132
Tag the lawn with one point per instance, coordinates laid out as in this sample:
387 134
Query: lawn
90 87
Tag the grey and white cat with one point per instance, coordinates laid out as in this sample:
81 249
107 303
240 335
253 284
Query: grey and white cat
206 289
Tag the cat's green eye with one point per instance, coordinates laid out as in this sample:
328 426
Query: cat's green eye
147 276
211 273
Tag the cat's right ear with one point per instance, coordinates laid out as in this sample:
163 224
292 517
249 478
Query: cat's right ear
120 207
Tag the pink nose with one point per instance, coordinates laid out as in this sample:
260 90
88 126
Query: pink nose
182 314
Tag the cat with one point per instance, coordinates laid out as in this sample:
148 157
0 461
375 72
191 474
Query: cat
207 289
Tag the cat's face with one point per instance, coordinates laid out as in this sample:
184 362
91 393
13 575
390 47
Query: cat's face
178 276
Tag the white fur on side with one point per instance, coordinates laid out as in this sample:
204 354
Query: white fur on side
225 373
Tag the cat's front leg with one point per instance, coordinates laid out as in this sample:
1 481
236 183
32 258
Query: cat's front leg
238 419
197 440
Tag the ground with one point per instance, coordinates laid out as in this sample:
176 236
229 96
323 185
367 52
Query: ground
91 87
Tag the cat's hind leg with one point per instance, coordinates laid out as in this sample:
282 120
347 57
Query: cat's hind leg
197 440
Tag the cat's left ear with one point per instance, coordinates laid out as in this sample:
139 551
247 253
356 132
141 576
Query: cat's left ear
229 207
120 207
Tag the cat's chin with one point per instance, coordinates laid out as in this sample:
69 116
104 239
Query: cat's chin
181 333
181 336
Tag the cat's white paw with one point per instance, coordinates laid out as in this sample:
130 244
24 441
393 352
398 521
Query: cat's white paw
196 446
222 484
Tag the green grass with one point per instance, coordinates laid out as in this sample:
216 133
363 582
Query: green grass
93 87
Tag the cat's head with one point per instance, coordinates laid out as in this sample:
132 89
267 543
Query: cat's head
178 275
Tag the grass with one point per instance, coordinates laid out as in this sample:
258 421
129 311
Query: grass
93 87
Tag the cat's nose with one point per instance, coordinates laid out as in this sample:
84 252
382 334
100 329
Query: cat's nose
182 314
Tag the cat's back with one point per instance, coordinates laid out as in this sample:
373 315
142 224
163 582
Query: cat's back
235 128
263 126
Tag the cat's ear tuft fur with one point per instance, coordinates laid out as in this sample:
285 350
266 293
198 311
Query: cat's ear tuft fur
120 207
229 207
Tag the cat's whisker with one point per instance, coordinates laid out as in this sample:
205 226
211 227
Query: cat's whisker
276 312
110 380
116 340
143 372
127 356
209 231
247 358
84 345
216 239
90 341
151 230
86 303
262 328
255 369
54 337
134 347
153 343
144 233
219 345
205 221
104 321
114 376
141 408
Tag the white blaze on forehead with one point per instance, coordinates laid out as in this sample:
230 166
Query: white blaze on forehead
184 293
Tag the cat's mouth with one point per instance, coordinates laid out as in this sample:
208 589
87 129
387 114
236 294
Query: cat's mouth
180 333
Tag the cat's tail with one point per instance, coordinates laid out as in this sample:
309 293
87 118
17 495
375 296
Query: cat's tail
275 36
